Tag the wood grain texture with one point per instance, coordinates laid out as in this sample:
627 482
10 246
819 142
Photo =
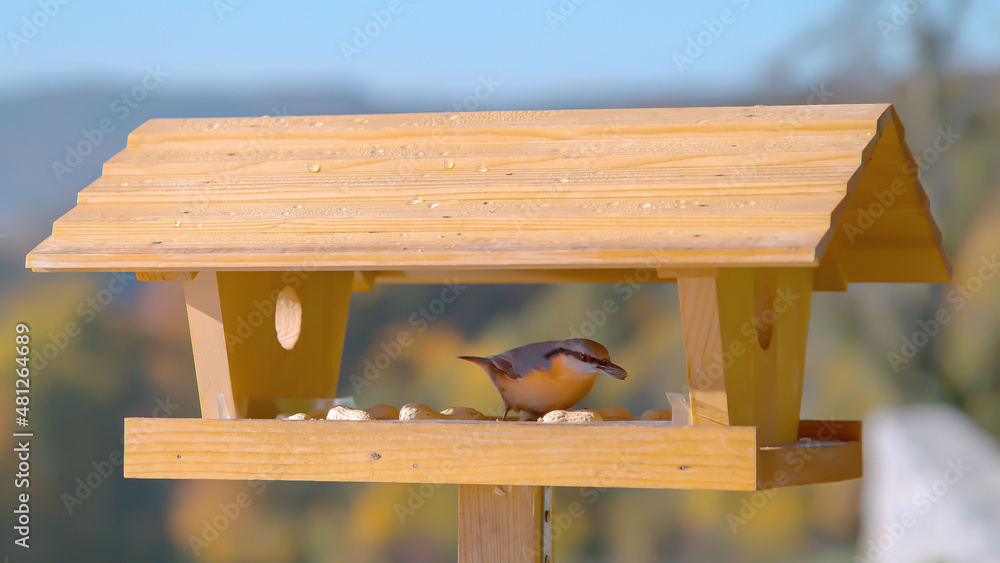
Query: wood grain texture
604 454
499 524
208 341
703 350
745 334
530 190
807 464
833 453
165 276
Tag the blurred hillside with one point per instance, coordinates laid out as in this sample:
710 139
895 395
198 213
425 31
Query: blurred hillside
132 355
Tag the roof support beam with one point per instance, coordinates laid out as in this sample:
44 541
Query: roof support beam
744 343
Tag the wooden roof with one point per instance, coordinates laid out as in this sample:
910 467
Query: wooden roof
524 190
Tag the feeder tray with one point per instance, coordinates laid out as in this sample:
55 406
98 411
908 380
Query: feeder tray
748 209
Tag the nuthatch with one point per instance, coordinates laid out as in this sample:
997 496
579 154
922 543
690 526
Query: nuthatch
547 376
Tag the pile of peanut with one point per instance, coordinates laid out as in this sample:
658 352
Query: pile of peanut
414 411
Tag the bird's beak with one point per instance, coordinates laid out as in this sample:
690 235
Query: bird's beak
613 370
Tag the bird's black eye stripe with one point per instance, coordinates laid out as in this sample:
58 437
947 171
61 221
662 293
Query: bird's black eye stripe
556 352
578 355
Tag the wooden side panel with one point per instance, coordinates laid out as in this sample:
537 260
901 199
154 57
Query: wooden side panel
208 341
884 230
606 454
500 524
260 368
745 337
808 464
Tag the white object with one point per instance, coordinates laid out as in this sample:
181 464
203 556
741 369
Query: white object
931 488
680 410
288 317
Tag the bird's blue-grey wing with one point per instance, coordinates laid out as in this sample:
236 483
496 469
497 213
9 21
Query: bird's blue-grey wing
503 364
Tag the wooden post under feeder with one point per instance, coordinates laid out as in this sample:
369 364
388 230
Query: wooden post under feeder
749 210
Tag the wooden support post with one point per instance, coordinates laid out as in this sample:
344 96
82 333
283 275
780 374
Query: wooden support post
208 341
744 342
502 524
237 352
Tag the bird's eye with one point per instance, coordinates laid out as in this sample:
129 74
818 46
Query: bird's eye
581 356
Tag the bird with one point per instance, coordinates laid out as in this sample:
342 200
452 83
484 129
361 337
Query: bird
546 376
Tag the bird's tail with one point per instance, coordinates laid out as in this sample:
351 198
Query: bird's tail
476 360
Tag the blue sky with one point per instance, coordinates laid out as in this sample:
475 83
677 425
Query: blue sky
444 48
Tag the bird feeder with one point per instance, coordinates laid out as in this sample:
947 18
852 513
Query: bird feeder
749 210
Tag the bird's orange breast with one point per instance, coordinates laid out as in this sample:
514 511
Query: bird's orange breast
540 391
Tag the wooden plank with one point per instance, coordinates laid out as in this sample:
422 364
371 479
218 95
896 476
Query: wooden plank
500 524
833 453
531 153
608 454
808 463
276 230
156 215
481 255
830 117
208 341
744 345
